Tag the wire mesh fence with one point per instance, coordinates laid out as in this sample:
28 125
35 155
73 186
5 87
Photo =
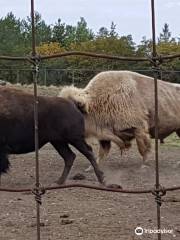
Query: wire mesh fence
77 77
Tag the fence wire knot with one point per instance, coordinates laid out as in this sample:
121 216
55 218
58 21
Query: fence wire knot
38 192
159 192
160 59
156 61
35 64
36 69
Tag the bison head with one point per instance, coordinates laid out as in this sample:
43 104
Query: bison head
78 95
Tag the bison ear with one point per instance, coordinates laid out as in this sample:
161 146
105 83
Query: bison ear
82 107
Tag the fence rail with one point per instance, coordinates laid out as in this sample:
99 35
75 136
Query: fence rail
106 189
157 58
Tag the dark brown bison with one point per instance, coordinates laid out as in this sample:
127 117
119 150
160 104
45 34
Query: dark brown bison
60 123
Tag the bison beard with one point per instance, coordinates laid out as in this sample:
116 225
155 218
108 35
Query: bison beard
60 123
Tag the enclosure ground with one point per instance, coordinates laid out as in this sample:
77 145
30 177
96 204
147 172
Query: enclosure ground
90 214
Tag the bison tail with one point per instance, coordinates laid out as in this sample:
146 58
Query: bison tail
4 162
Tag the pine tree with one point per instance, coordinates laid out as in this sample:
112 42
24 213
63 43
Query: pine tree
165 36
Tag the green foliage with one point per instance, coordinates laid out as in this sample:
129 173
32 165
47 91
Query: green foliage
113 32
11 39
165 36
16 38
103 32
43 31
67 34
83 33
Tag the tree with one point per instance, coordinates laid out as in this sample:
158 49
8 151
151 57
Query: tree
67 34
10 35
43 31
103 32
122 46
145 47
70 36
49 48
112 32
165 36
59 32
128 43
83 33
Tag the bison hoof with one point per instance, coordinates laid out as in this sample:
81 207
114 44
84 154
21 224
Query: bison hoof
60 181
79 176
101 179
114 186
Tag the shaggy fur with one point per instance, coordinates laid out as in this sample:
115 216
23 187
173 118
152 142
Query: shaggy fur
114 110
60 123
168 104
167 126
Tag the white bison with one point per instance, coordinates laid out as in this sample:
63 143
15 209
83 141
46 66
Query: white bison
114 110
119 105
171 114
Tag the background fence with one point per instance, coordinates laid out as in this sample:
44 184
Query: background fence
78 77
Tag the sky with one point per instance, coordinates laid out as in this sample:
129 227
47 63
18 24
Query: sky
130 16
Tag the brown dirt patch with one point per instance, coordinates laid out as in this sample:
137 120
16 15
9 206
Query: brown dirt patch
91 214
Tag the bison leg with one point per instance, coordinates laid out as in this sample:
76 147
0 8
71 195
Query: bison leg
68 156
86 150
4 161
104 148
143 142
178 132
118 141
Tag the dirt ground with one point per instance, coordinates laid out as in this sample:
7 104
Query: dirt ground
91 214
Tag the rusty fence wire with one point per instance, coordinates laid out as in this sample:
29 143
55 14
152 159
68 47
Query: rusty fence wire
156 60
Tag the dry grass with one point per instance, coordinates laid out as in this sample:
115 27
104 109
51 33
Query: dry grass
42 90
